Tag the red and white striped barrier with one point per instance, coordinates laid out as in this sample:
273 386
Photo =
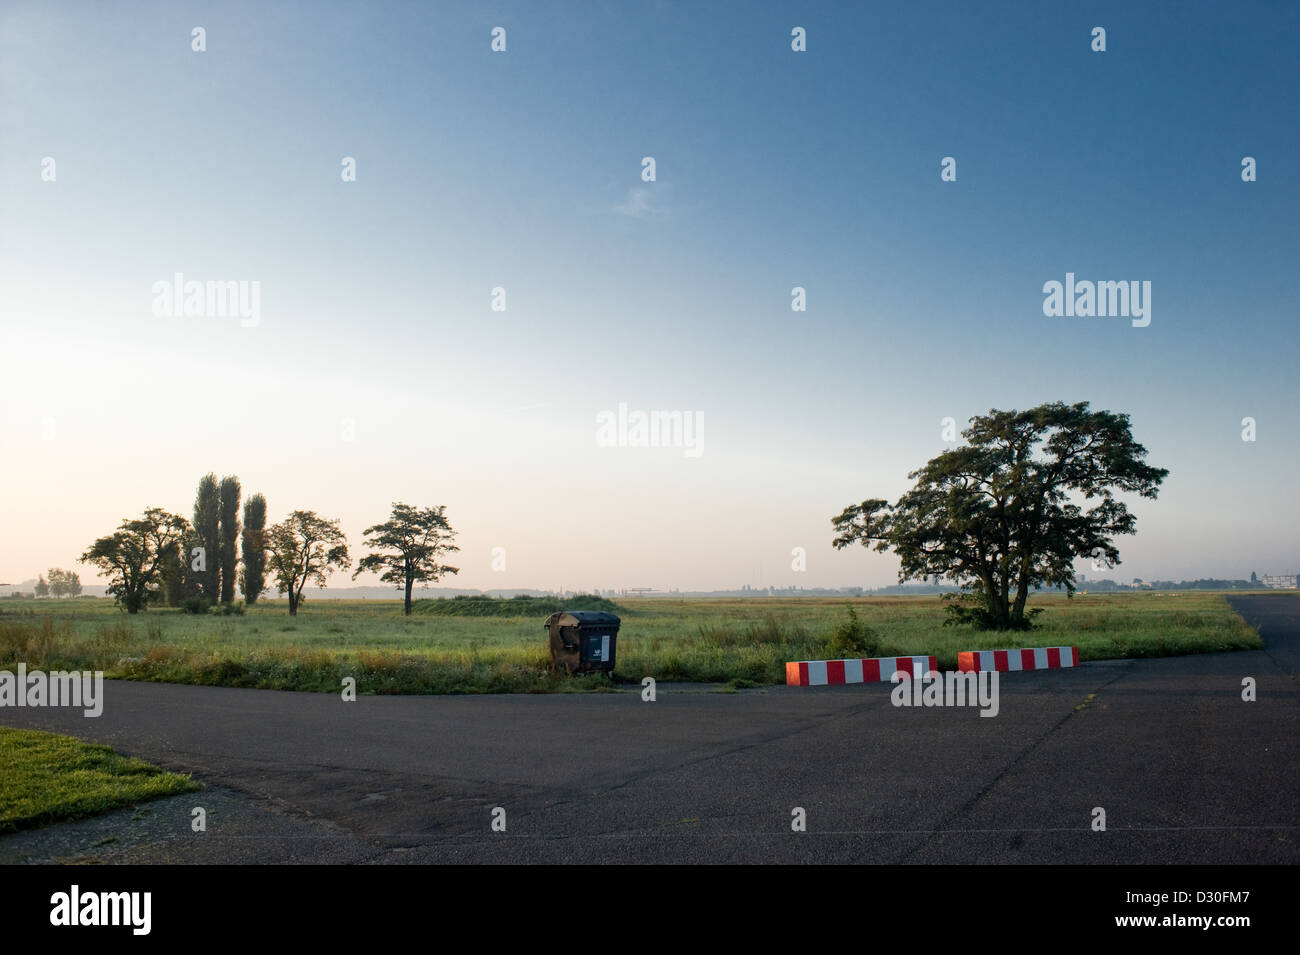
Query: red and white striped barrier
1038 658
871 670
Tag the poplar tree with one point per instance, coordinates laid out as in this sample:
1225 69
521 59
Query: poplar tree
229 536
207 535
253 578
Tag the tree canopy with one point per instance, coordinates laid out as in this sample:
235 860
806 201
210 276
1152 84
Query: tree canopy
304 547
64 583
207 536
228 534
131 556
408 547
252 580
1012 509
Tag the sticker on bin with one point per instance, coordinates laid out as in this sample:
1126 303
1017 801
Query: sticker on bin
1004 661
870 670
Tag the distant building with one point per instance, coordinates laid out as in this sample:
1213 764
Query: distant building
1280 581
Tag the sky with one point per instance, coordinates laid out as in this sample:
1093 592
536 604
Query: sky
377 369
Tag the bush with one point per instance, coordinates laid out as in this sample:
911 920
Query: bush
232 609
194 605
852 638
969 608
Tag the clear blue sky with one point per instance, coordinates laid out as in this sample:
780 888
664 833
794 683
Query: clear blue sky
523 170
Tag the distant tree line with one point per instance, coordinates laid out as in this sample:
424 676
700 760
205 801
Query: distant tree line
163 558
1205 583
61 583
1093 586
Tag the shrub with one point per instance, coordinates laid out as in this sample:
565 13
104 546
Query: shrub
969 608
852 638
194 605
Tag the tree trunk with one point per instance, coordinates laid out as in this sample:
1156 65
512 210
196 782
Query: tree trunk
1022 595
409 582
293 604
995 600
1026 564
1004 600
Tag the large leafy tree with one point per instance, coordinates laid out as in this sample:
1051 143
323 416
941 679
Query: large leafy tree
304 547
1012 509
229 534
132 556
408 547
252 580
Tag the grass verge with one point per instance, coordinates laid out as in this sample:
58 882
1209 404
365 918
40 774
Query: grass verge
50 778
691 640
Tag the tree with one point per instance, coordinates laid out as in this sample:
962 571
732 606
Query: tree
206 565
408 546
228 529
42 588
132 556
253 578
1001 515
304 547
184 569
172 574
63 583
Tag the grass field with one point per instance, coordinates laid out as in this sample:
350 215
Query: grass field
743 641
49 778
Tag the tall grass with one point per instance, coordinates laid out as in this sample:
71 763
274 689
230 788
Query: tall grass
689 640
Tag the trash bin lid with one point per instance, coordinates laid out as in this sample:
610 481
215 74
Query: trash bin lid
582 618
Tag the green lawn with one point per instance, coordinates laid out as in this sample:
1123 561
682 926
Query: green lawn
706 640
48 778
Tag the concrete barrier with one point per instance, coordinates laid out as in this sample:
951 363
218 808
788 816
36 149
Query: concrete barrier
1004 661
869 670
